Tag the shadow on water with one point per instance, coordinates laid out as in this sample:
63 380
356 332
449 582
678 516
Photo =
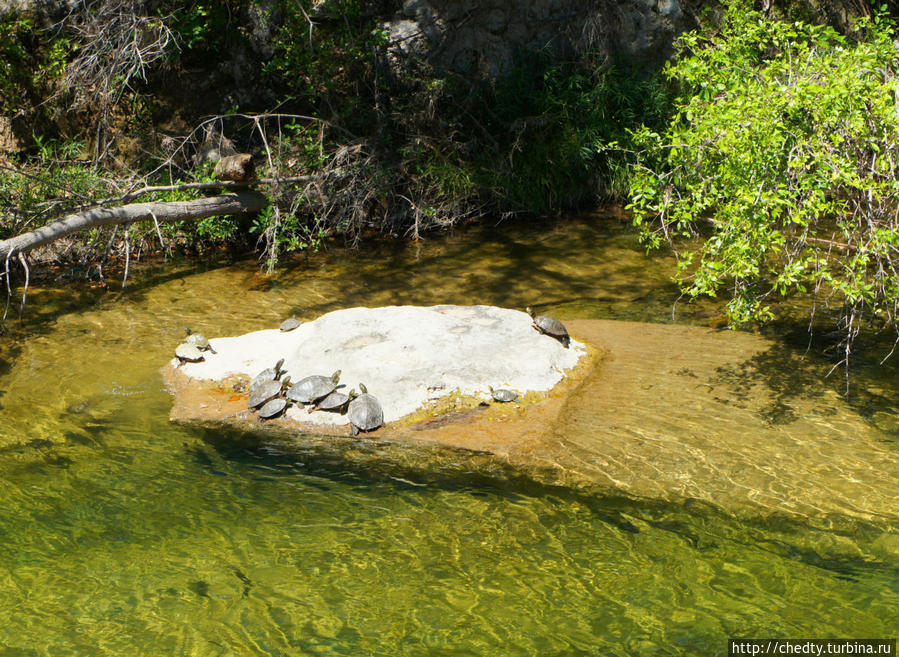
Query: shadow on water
804 365
698 525
51 298
783 374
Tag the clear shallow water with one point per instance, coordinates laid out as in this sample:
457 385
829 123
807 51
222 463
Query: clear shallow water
122 534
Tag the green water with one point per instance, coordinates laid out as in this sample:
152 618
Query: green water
123 534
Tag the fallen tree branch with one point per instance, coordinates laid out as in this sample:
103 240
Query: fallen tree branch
201 186
228 184
168 211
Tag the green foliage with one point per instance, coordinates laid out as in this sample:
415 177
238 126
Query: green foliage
783 156
438 147
205 28
58 180
32 61
15 80
329 63
289 232
407 148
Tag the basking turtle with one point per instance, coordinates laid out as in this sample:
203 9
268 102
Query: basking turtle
313 388
264 392
272 408
268 374
199 340
365 412
502 395
550 326
335 402
188 353
289 324
267 391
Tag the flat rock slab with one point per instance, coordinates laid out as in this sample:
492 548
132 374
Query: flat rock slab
407 356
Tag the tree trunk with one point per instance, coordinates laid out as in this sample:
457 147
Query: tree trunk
233 203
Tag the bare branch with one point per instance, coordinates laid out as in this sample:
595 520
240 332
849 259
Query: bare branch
24 263
225 204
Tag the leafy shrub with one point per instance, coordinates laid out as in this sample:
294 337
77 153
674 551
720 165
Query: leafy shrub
783 156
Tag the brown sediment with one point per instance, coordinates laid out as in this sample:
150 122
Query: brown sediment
654 411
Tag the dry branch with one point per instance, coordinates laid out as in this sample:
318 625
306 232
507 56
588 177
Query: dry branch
202 186
168 211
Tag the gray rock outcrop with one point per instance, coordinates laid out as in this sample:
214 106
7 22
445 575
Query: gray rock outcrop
406 355
485 38
45 7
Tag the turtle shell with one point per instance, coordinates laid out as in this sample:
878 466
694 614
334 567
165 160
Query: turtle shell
502 395
290 324
268 374
312 388
272 408
263 393
197 339
333 402
365 413
552 327
187 352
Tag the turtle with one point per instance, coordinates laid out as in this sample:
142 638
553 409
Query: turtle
268 374
264 392
289 324
365 412
199 340
188 353
502 395
337 401
550 326
272 408
313 388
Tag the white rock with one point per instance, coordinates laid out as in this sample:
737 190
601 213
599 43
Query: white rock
405 355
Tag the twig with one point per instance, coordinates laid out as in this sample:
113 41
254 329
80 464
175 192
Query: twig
219 118
27 277
162 243
127 255
8 287
885 358
228 184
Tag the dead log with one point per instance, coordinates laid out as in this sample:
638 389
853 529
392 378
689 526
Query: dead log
169 211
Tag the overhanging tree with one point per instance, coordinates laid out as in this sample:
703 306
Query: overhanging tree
778 173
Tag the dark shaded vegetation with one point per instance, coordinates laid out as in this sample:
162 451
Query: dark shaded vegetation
408 148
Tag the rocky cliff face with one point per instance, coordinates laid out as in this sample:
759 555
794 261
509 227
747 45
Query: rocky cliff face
485 38
48 7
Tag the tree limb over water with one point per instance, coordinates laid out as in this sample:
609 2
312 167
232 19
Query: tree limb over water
160 211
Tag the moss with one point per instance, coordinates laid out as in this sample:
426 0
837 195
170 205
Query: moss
456 406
